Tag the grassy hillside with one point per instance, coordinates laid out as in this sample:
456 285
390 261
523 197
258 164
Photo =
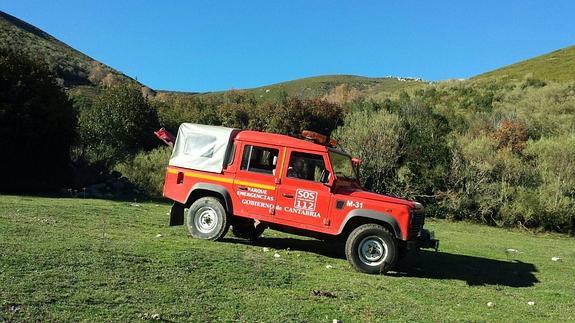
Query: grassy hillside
81 259
72 67
330 87
321 86
555 66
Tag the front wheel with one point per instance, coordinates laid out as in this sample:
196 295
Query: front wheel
371 249
207 219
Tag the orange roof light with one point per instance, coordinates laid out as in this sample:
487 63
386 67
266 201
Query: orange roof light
318 138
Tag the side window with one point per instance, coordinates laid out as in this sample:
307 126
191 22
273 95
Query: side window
259 159
305 166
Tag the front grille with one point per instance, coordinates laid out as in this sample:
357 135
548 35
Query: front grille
416 223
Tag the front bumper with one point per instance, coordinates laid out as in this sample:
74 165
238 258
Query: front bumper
425 240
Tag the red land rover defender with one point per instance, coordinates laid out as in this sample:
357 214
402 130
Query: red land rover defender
254 180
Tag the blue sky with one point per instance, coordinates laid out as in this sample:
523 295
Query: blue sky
218 45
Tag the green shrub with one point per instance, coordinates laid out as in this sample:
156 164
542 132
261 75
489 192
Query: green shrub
426 154
376 139
292 115
119 124
237 109
554 159
178 109
403 147
146 170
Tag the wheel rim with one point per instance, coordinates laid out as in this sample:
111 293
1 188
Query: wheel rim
372 251
206 219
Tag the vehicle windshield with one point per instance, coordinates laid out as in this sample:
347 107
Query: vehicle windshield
342 165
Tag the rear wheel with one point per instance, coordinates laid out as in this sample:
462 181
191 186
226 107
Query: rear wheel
207 219
371 249
247 229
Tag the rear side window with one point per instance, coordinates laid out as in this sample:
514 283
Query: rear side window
231 153
259 159
199 146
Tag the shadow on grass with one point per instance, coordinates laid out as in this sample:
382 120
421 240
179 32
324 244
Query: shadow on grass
327 249
475 271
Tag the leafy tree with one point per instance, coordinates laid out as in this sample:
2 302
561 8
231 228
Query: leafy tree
293 115
324 116
426 154
120 123
37 123
235 115
289 117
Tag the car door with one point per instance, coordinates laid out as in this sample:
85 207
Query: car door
301 198
255 181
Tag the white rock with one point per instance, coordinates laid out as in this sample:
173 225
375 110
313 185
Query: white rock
266 249
328 266
156 317
531 303
135 204
336 321
556 258
512 250
277 255
159 235
490 304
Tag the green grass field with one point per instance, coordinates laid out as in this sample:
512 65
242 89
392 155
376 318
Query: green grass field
93 260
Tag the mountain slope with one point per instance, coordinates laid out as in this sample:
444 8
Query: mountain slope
558 66
72 68
335 88
329 85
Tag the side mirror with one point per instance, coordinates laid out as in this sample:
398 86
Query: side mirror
356 163
324 178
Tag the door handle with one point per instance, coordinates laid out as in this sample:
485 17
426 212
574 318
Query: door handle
289 196
242 188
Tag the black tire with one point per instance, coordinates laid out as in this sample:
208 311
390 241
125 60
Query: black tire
207 219
247 229
371 249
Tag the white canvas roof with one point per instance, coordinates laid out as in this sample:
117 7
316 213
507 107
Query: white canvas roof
201 147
